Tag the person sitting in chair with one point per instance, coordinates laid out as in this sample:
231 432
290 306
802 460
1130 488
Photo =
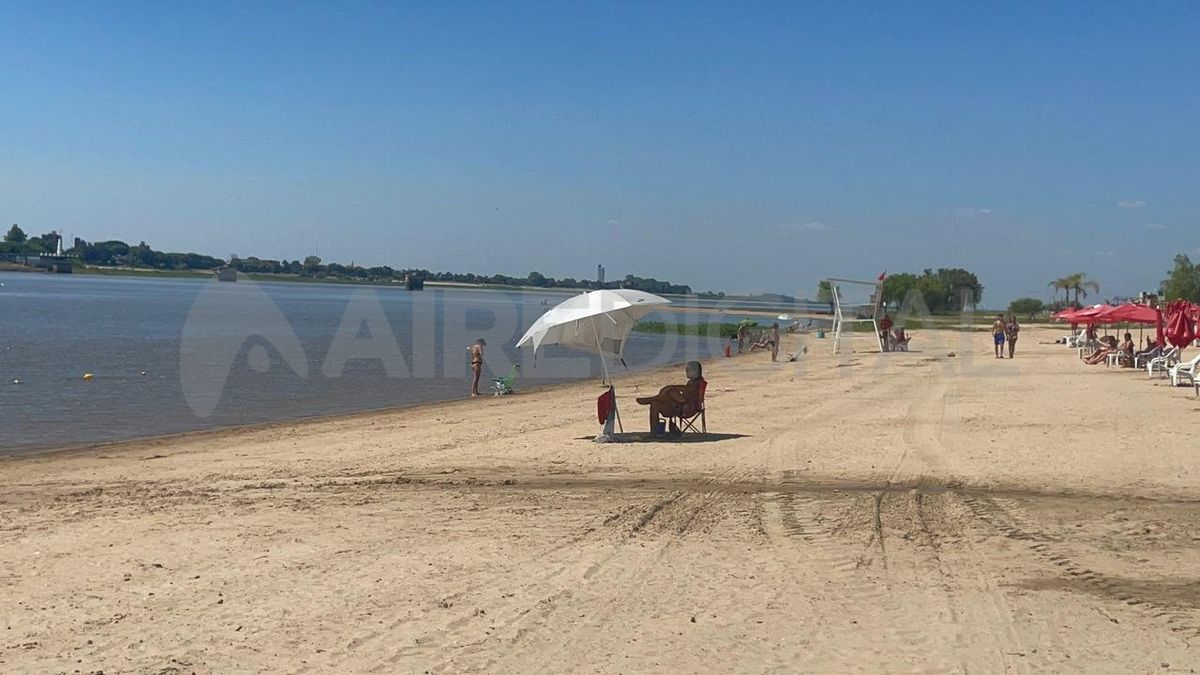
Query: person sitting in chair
1126 349
1107 345
676 400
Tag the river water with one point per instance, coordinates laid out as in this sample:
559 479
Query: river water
174 355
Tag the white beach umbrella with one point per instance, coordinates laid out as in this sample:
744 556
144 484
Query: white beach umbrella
598 321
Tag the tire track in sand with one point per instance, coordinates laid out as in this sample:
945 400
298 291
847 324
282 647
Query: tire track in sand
1010 522
624 577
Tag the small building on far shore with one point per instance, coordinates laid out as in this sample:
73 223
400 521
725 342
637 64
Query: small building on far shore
60 264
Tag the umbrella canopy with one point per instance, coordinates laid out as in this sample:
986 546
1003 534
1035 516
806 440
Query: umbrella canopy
1083 314
598 321
1181 323
1129 313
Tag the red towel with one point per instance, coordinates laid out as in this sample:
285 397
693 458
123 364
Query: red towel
605 404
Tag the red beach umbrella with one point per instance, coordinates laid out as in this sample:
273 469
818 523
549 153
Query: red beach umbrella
1181 324
1091 314
1130 313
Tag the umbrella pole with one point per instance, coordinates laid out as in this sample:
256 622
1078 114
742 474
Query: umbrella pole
603 363
604 369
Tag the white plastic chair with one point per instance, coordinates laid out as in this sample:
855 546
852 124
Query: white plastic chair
1182 370
1162 364
1140 359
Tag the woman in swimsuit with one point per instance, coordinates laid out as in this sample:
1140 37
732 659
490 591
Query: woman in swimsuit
476 364
1011 330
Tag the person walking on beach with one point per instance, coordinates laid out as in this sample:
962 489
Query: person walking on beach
773 341
476 364
1011 329
998 335
885 332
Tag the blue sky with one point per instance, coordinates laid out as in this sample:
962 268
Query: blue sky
734 146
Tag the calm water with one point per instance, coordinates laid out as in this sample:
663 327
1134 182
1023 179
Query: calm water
171 355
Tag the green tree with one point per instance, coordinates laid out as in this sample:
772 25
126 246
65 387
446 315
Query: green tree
933 290
143 256
15 235
825 292
962 287
897 286
311 266
1184 281
1027 307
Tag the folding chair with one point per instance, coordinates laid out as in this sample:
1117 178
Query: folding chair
687 424
504 385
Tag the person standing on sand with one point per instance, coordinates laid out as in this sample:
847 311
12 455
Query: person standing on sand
1011 329
741 336
476 364
885 332
774 342
998 335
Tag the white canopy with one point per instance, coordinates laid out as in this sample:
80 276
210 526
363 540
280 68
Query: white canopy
598 321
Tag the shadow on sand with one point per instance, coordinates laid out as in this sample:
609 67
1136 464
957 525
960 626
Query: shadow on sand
645 437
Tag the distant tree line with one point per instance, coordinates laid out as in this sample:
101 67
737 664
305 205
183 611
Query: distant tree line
115 253
17 243
948 289
945 290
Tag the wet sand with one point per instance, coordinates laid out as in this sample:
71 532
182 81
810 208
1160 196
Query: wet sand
909 512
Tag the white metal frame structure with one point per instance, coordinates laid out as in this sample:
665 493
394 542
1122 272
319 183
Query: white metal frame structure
856 310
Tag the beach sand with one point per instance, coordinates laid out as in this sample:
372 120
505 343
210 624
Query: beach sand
909 512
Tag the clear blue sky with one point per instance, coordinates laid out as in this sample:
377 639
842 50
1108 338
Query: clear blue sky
735 146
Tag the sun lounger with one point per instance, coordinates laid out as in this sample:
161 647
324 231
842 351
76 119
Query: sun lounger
1183 370
1162 364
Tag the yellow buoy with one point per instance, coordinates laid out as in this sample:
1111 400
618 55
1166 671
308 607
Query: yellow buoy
88 376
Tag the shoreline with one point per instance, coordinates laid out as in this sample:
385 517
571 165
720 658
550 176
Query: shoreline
234 430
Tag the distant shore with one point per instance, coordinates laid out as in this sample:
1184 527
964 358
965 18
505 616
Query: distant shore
141 273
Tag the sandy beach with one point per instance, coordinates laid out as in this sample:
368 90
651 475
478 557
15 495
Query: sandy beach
909 512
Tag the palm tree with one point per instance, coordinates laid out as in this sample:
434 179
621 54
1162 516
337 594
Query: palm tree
1060 284
1079 283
